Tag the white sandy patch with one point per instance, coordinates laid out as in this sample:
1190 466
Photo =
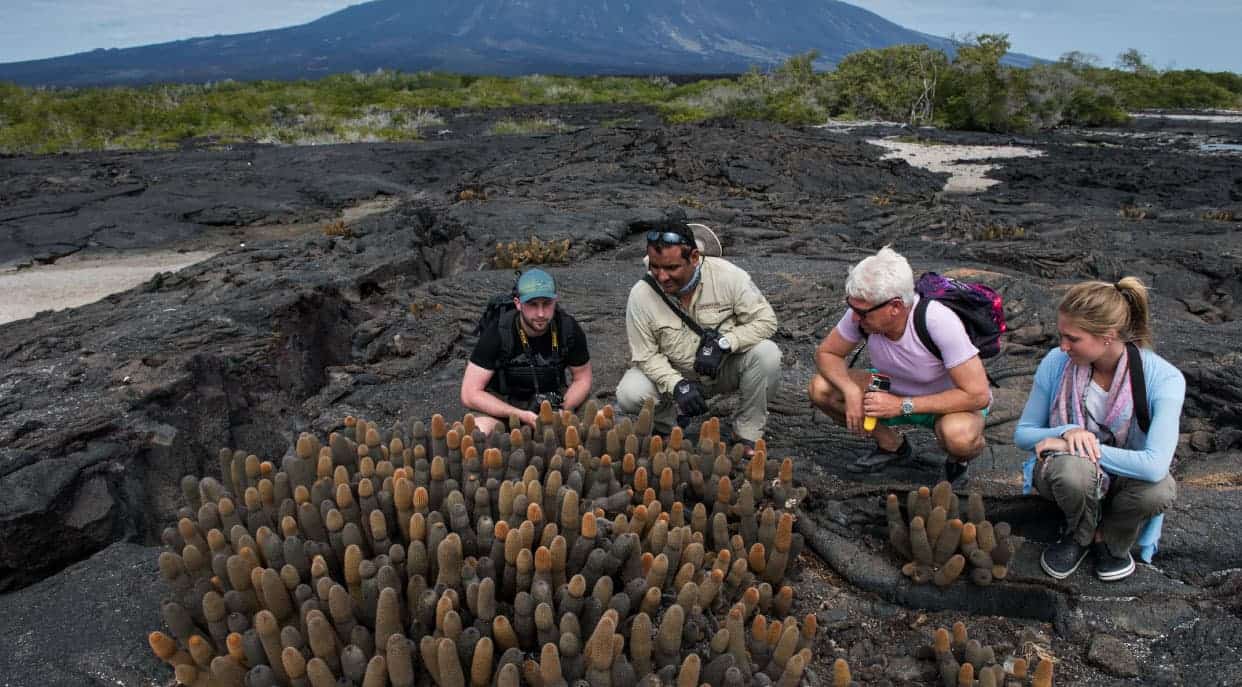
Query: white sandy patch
71 282
851 124
965 177
1222 118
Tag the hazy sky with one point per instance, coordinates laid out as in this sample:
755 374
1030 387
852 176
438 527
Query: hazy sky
1190 34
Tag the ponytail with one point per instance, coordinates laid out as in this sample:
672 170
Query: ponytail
1135 294
1099 307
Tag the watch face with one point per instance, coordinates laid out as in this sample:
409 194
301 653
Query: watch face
723 343
907 407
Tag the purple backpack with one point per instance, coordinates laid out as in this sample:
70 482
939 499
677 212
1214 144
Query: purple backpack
979 307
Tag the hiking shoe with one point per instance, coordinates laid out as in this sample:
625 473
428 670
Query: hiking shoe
1109 567
1061 559
957 474
879 458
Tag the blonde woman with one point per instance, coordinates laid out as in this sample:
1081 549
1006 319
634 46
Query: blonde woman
1102 425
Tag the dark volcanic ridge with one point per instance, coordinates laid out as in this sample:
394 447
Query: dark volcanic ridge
501 37
106 406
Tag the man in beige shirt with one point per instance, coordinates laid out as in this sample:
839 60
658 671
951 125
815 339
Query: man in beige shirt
681 368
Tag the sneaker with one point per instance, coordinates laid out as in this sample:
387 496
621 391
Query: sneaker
957 474
879 458
1109 567
1061 559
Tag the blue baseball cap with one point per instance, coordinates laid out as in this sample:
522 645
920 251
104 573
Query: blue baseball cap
535 283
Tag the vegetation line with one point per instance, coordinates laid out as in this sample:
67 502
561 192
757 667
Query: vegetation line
909 83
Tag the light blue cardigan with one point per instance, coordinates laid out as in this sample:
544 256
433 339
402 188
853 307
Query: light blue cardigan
1144 457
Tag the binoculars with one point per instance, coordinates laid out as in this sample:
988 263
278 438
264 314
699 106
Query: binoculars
879 382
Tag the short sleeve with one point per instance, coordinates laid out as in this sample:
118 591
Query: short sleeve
947 330
849 329
486 352
578 353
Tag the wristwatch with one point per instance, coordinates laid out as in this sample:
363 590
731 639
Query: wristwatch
907 406
724 344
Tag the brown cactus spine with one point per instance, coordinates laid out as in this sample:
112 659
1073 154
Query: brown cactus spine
950 571
898 532
841 676
935 525
947 543
975 511
668 639
919 545
481 663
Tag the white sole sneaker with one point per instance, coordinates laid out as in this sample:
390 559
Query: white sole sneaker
1114 575
1058 574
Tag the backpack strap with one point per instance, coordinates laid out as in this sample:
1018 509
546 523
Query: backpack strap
920 327
508 343
1138 386
694 326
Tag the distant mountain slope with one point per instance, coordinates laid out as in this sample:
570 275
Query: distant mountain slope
501 37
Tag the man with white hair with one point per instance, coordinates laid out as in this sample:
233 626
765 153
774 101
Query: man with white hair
947 393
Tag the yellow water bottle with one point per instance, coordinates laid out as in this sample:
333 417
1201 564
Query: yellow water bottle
879 382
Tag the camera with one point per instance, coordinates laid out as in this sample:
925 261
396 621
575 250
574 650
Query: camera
555 399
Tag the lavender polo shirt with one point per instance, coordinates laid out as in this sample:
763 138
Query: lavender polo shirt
915 371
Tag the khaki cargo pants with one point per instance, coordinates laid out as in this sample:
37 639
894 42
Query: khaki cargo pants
756 373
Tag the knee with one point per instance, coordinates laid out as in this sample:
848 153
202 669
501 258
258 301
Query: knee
765 356
962 440
633 391
1153 499
1071 475
821 392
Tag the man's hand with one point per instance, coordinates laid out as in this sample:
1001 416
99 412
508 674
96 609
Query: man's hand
528 417
853 409
881 404
689 398
709 356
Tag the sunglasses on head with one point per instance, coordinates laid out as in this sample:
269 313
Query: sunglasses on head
671 238
864 312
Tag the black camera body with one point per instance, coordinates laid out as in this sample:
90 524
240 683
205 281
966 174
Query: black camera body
555 399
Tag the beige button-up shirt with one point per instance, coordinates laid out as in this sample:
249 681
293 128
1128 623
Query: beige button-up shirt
663 347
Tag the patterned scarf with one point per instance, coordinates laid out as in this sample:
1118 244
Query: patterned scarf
1068 406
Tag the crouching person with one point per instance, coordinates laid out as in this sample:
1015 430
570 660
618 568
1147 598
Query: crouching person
1102 422
698 326
947 393
522 356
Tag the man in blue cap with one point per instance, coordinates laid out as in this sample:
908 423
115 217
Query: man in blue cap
521 358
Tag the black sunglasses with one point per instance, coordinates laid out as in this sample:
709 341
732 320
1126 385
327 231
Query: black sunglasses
863 313
672 238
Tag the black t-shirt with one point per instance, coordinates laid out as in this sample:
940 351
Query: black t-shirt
487 352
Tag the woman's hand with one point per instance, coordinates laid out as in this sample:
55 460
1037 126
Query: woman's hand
1081 442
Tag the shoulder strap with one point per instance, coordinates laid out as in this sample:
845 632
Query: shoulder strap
920 327
694 326
1138 386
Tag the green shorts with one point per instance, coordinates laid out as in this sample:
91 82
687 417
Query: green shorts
927 420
